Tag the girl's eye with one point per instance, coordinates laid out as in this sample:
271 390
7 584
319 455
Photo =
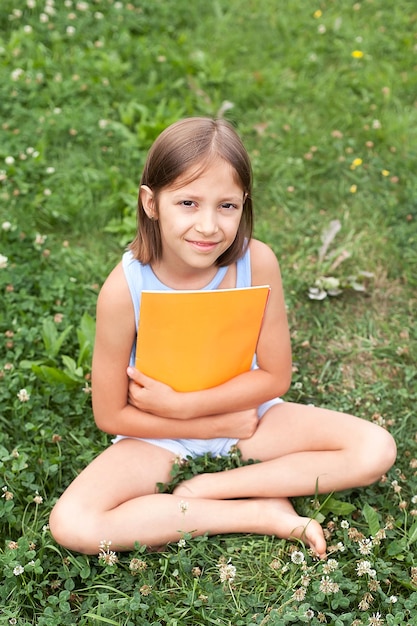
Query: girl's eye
187 203
228 206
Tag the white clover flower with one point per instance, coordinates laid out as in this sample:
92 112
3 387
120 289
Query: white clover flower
27 29
23 395
305 580
9 160
109 557
40 239
392 599
31 4
344 524
330 566
7 495
297 557
363 604
363 567
182 543
183 506
17 73
37 498
82 6
50 170
43 18
3 261
136 565
365 546
299 594
70 30
18 570
227 572
327 585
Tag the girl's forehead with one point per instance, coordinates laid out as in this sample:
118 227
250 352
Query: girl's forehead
199 170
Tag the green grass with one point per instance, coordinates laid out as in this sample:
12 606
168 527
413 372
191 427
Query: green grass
83 93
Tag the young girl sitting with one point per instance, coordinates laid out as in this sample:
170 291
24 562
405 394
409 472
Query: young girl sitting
195 225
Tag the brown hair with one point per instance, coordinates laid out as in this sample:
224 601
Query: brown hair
193 141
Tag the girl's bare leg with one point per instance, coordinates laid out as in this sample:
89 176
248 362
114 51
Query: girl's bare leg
114 499
304 450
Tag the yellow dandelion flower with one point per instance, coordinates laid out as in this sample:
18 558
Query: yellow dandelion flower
317 14
385 172
353 188
356 163
357 54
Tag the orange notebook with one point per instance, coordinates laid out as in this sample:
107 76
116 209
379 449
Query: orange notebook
193 340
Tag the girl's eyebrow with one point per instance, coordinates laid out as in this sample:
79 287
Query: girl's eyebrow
195 196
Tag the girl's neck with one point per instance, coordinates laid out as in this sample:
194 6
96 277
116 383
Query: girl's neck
185 279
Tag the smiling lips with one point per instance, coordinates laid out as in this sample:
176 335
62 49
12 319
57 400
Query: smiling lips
204 245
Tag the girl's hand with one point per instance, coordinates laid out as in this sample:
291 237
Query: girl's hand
239 425
151 396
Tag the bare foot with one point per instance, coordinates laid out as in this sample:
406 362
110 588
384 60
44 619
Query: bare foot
287 524
311 533
277 516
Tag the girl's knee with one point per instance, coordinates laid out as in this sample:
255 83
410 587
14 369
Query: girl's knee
71 529
389 450
379 455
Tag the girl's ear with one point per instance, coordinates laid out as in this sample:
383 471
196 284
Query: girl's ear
148 201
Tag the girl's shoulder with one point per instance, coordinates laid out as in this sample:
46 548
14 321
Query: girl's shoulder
115 286
264 263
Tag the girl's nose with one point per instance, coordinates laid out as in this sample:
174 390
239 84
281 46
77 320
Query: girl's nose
207 222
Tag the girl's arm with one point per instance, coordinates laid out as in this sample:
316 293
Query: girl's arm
115 333
249 389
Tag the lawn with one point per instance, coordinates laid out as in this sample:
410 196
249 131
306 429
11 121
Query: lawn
324 96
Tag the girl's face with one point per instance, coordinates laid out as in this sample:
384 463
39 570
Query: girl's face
198 220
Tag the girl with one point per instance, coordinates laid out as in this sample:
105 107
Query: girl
195 224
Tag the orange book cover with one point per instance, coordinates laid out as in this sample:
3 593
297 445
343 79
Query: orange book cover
193 340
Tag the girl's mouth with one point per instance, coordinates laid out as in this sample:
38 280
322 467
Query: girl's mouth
204 245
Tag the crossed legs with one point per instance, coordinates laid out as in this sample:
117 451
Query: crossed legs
303 450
